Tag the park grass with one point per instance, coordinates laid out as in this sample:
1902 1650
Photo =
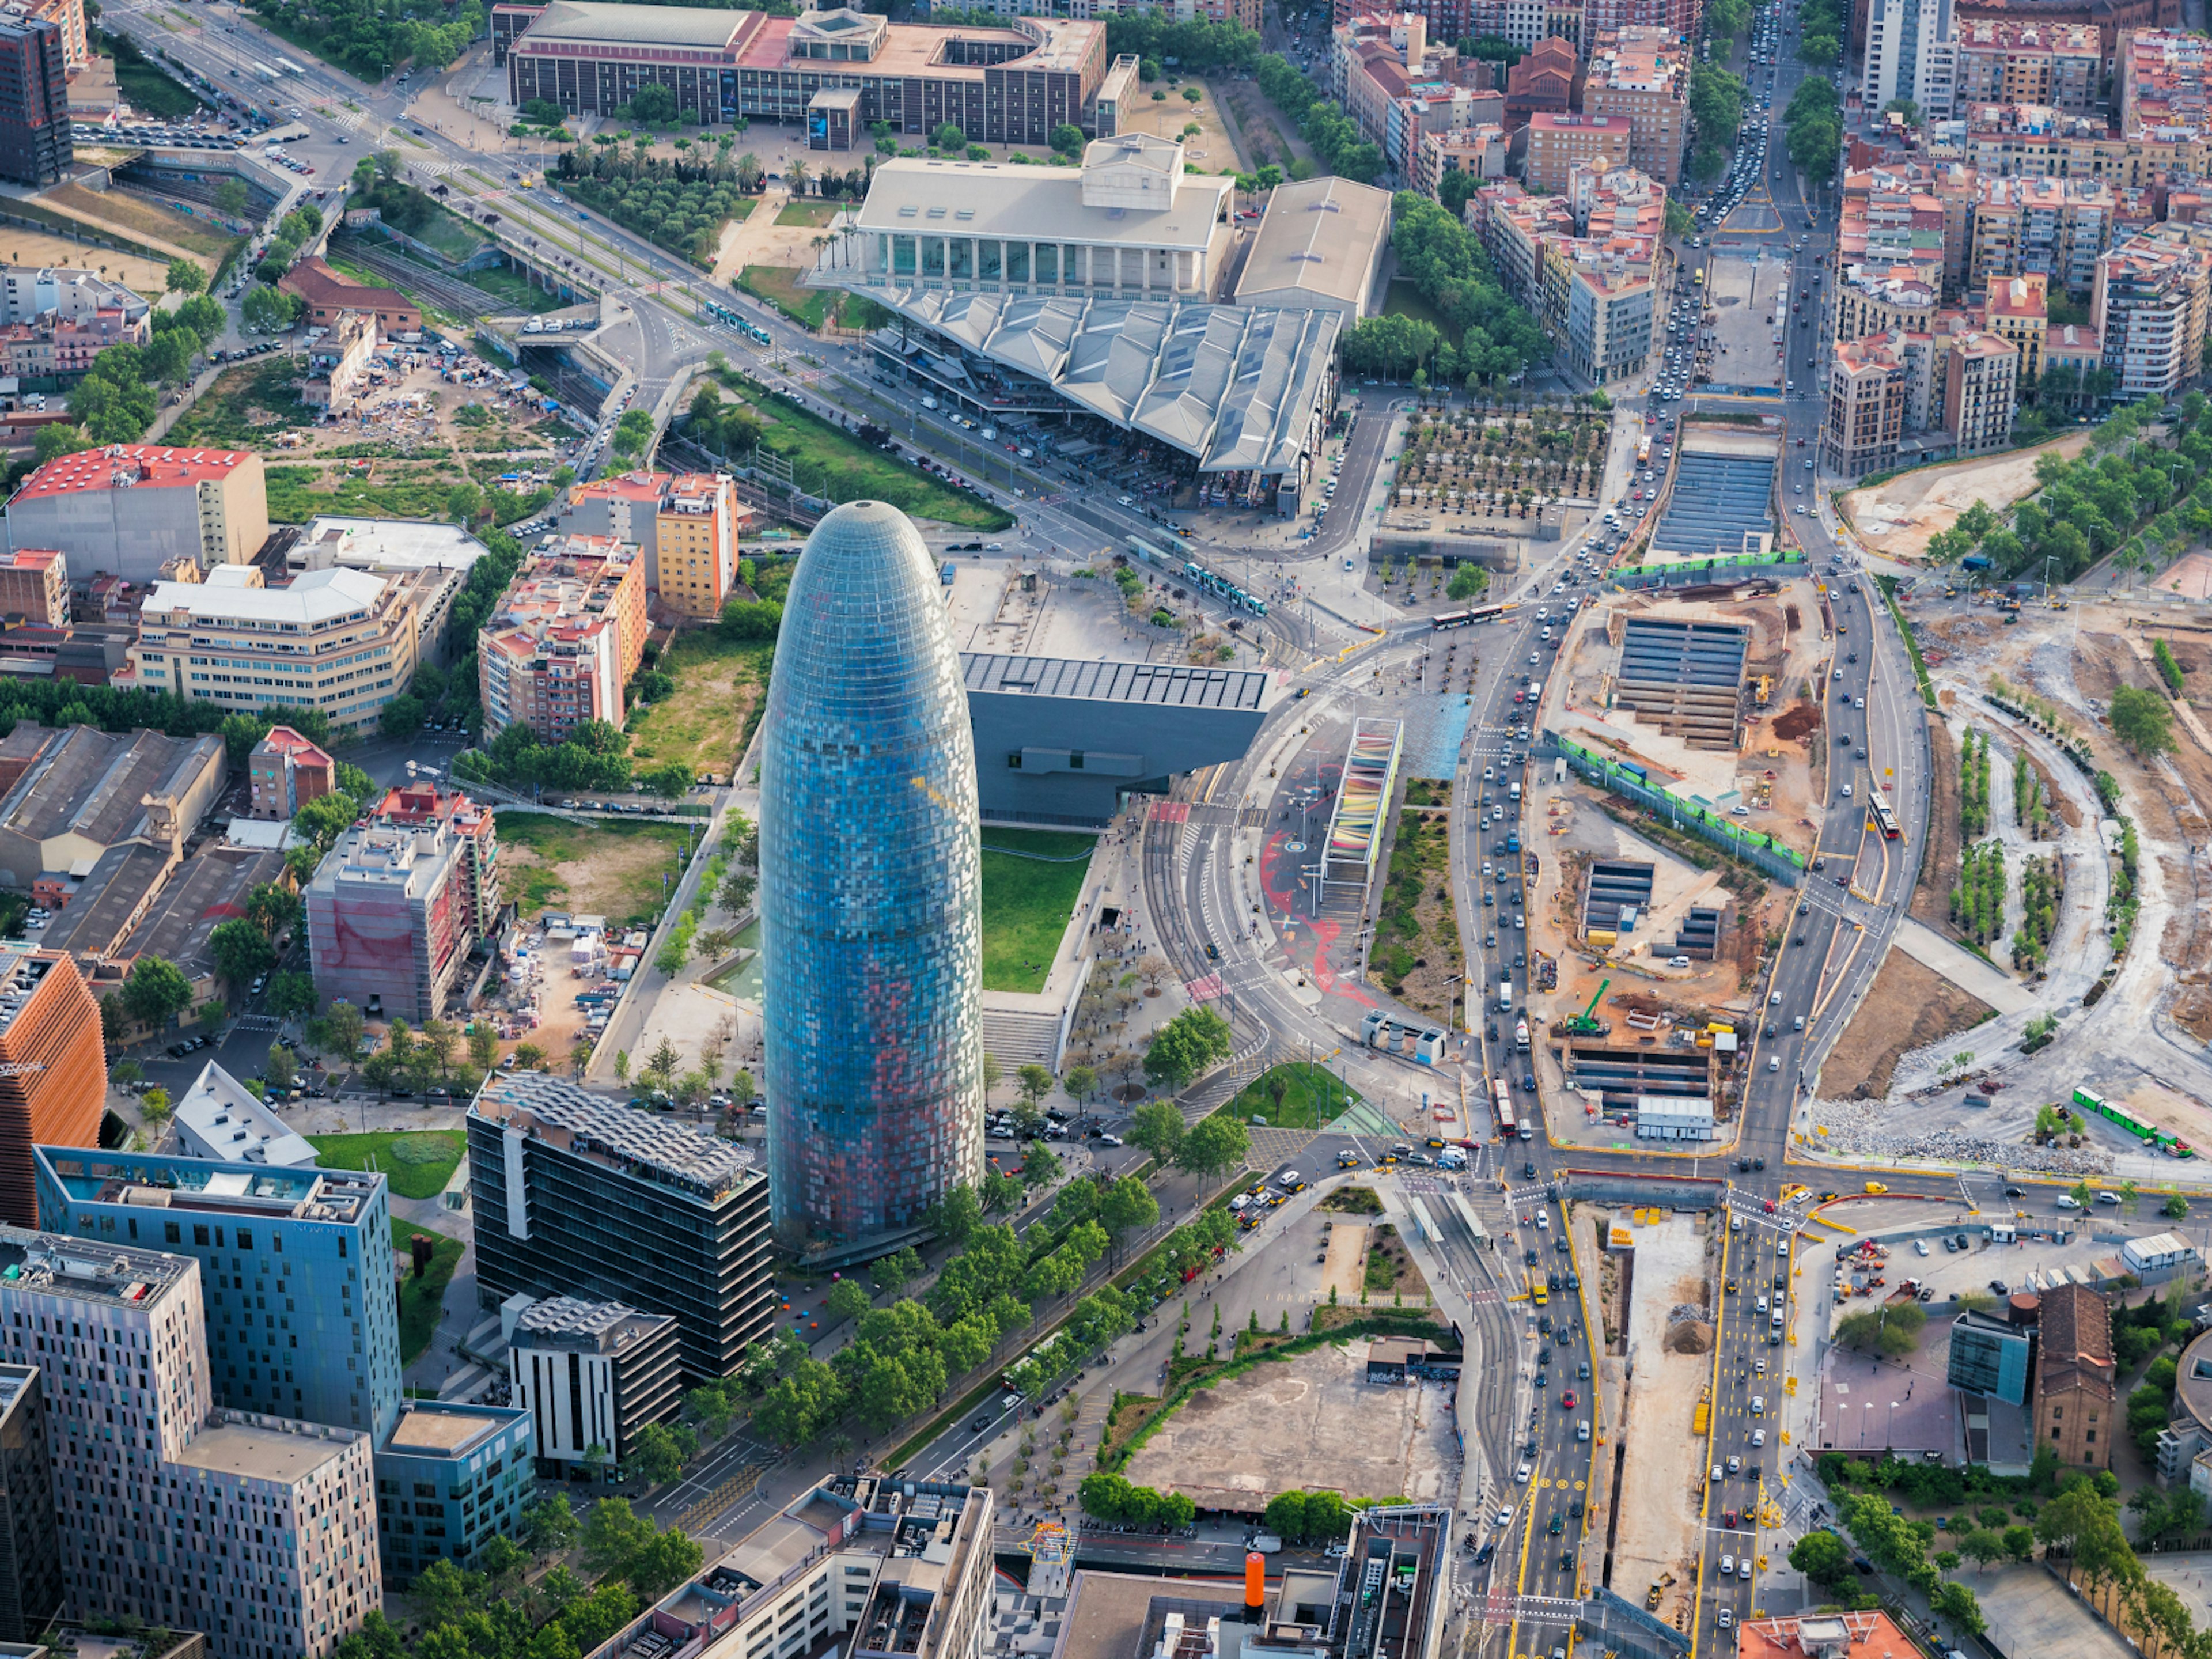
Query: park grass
811 213
721 691
1312 1096
1404 299
827 461
421 1301
417 1162
779 285
1027 901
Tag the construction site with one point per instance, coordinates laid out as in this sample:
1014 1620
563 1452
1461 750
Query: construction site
2103 984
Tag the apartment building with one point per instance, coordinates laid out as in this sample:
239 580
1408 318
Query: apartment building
2148 310
1583 262
881 1568
284 772
1896 219
30 1534
345 641
450 1477
2005 60
2159 86
2077 1414
2038 140
2052 228
35 145
128 509
1866 407
566 637
624 507
30 293
1512 226
1558 144
592 1374
695 541
34 586
1910 53
2019 311
1981 390
122 1330
399 906
1643 74
577 1195
2071 353
59 349
1866 300
295 1269
1479 153
1683 18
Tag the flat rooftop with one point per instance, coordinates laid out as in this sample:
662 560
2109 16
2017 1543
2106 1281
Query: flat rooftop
1168 684
121 1275
439 1429
172 1180
388 544
256 1448
653 26
593 1126
1319 237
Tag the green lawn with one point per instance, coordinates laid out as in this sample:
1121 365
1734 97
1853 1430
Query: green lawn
1312 1096
417 1162
1027 901
423 1300
779 285
1404 299
295 495
827 461
811 213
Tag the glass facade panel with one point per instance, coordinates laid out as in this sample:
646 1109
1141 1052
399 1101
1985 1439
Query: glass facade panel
871 899
1018 262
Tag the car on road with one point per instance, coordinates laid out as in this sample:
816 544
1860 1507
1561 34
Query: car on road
2068 1201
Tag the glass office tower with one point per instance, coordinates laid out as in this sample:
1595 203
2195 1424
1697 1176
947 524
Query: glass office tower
870 902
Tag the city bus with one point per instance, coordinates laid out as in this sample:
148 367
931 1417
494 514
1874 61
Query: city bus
1878 808
1504 1102
1481 613
2149 1134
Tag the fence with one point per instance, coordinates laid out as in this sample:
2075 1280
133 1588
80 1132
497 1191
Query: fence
1753 847
1779 564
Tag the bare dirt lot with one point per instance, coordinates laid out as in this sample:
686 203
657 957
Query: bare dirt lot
1665 1462
1897 518
613 871
1313 1422
1909 1006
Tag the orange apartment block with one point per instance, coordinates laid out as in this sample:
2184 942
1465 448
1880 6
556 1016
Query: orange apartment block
696 535
54 1070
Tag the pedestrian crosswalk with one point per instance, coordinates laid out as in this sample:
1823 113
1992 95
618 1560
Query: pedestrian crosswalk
257 1023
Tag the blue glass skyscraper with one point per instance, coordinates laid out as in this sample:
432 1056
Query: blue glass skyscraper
871 895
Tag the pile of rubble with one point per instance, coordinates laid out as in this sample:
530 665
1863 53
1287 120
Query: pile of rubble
1862 1126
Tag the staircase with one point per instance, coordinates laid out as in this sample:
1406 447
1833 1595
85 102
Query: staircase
1019 1038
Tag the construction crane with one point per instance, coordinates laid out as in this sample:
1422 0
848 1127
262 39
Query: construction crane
1584 1024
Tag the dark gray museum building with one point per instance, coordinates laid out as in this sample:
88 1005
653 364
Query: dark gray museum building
1062 742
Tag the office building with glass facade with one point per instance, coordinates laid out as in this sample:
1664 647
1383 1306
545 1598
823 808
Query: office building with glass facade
576 1195
295 1265
449 1478
870 892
